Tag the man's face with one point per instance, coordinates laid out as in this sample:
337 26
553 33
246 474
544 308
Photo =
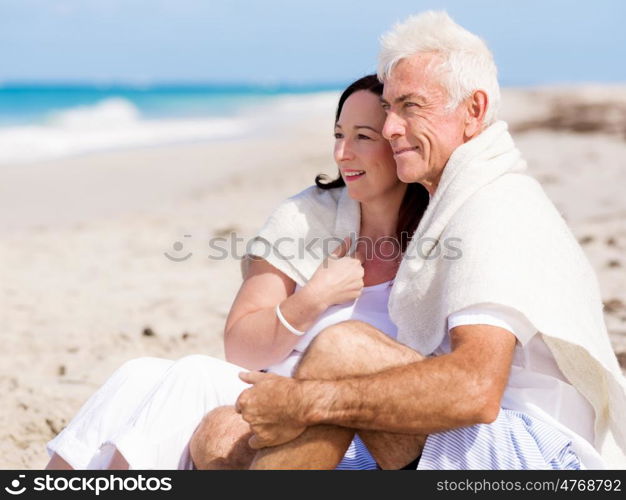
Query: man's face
422 132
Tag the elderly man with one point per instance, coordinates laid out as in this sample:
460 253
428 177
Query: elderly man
519 372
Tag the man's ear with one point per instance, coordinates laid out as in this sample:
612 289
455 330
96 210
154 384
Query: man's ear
476 108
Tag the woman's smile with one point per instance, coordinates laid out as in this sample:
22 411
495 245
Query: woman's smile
350 175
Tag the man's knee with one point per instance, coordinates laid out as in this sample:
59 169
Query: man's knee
328 350
221 441
350 348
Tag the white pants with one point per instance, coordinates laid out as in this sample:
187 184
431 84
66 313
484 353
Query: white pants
148 409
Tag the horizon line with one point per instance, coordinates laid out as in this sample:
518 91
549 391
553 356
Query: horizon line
243 84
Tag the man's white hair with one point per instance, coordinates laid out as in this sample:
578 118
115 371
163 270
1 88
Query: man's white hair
466 64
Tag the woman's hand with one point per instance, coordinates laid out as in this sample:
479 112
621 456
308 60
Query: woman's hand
339 278
254 338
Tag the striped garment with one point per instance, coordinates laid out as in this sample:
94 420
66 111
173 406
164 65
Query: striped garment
357 457
515 441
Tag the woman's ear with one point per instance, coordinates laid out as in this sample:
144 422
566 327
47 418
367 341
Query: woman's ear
476 109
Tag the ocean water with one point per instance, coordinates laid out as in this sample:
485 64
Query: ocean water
42 122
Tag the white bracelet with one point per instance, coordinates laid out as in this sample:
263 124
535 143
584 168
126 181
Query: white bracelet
286 324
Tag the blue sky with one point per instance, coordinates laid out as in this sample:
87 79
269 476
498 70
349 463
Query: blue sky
148 41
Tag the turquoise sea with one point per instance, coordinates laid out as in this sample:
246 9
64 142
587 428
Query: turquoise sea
39 122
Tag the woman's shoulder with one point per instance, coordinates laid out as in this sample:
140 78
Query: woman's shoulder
310 204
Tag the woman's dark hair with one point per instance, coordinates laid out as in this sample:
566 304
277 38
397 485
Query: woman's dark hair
416 197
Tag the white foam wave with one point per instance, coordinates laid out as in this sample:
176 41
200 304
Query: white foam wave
111 124
116 123
108 113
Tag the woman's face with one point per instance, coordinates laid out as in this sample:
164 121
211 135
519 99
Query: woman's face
363 155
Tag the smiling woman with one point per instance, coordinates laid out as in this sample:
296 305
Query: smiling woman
128 422
359 141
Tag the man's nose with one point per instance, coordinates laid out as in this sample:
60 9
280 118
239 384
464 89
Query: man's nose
393 127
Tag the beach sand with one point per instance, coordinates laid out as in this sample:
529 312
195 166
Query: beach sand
85 284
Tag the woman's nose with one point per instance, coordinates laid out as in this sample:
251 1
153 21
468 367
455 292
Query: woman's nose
393 127
343 151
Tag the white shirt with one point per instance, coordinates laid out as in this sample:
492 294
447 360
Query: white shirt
370 307
536 385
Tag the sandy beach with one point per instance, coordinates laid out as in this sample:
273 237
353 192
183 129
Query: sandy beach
85 283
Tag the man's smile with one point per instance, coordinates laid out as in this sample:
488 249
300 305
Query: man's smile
398 152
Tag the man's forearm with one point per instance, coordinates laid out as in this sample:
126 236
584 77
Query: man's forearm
420 398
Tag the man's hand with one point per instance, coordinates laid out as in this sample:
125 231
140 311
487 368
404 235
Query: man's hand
271 407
